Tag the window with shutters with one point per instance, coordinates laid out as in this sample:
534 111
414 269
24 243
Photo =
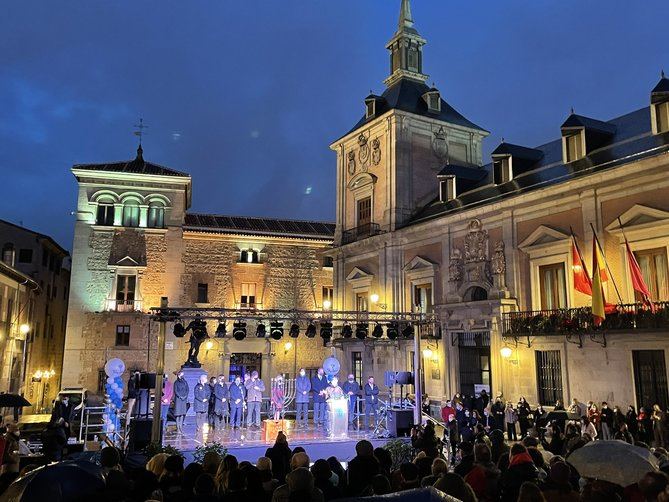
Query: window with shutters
364 211
422 298
549 376
125 293
574 146
662 117
502 170
122 335
248 299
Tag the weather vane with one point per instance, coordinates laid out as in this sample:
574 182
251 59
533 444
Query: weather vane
140 130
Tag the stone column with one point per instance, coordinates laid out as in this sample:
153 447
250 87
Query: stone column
143 216
118 214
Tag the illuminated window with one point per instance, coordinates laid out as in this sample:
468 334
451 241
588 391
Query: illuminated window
122 335
422 298
447 189
328 294
156 215
361 302
574 147
662 117
125 293
131 214
653 264
502 170
249 256
8 254
553 287
248 299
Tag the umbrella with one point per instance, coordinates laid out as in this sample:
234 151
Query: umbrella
61 482
613 461
13 401
560 416
429 494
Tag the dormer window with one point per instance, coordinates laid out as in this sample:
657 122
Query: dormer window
573 144
659 106
433 100
502 170
447 188
662 117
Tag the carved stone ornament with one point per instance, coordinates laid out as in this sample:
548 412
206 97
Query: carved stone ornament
350 163
376 151
476 243
363 153
498 262
440 145
455 266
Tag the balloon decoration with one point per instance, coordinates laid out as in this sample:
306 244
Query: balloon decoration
114 368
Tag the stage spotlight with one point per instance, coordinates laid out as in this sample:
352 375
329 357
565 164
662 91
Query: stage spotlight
179 330
326 330
276 330
378 331
239 330
361 330
407 332
392 331
261 330
311 330
220 329
294 331
346 331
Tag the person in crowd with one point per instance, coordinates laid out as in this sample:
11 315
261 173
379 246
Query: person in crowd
166 401
652 485
539 422
201 395
156 464
588 428
631 421
338 471
236 392
577 408
453 433
488 421
352 390
236 488
530 492
228 465
211 462
254 389
278 397
557 487
280 456
467 459
447 410
466 429
521 469
54 440
658 418
623 434
510 418
204 489
298 461
10 454
319 384
481 402
64 409
558 406
452 484
322 480
497 410
484 475
498 448
644 426
221 397
267 478
595 417
385 461
524 412
211 413
381 485
371 402
133 394
302 394
438 468
170 480
180 400
409 476
557 443
425 439
362 468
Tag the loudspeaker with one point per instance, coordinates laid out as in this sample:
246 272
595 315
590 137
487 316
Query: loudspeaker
147 381
400 422
404 378
140 433
389 378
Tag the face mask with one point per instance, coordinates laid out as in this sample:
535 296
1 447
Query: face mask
350 379
302 373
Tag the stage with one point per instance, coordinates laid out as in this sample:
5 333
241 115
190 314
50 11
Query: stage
249 444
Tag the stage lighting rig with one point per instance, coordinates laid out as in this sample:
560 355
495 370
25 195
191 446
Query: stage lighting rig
407 332
346 331
179 330
392 331
220 329
361 330
377 332
311 330
239 330
294 331
326 330
276 330
261 330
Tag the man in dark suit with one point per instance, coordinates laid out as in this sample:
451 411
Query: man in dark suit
371 401
64 409
351 388
319 384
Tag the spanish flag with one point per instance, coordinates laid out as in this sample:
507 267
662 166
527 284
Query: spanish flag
582 281
598 275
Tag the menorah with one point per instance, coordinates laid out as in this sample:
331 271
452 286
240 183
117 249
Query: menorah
287 385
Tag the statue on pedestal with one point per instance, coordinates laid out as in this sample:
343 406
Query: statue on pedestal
198 329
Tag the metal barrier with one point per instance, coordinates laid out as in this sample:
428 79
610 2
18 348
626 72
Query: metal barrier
92 424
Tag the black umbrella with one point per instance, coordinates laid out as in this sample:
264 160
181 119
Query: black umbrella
560 416
13 401
61 482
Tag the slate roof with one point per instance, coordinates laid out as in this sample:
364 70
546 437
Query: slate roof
135 166
39 235
662 85
259 226
631 141
588 123
407 95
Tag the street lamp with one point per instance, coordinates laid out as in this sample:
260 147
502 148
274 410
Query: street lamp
506 351
327 304
24 329
427 353
374 298
287 346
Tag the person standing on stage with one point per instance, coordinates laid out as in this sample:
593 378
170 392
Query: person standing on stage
371 401
166 400
319 384
201 395
351 389
254 389
133 393
221 398
278 397
302 390
211 413
180 399
236 403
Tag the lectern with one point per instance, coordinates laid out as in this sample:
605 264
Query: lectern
338 418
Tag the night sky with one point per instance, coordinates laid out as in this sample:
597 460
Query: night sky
247 95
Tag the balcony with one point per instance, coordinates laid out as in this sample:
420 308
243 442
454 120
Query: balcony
114 305
361 232
632 317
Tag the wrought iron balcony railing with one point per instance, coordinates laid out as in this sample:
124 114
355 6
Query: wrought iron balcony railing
360 232
114 305
578 321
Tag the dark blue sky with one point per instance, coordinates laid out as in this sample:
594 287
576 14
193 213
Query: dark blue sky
247 95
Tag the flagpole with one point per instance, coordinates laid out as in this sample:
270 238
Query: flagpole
606 263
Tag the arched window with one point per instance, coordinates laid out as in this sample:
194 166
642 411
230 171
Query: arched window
8 254
156 215
475 294
105 214
131 214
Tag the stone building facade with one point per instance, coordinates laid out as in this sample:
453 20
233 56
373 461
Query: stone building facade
423 224
135 243
32 364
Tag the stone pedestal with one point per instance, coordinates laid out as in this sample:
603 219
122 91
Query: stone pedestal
192 376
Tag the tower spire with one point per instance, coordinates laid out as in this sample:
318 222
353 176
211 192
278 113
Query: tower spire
406 49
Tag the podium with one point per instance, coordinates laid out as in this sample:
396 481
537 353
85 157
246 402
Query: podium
272 427
338 418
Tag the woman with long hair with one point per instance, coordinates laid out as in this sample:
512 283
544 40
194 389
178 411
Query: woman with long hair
228 465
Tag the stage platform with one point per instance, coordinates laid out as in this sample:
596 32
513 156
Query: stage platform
249 444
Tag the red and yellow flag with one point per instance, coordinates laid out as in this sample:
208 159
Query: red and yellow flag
582 280
638 283
598 274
